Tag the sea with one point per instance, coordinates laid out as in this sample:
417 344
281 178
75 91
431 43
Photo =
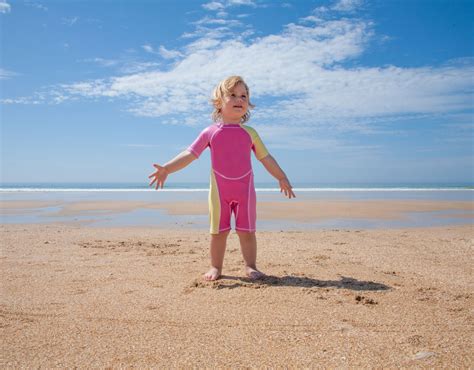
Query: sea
172 192
435 191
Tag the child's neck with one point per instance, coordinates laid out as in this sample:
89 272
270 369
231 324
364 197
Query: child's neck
231 121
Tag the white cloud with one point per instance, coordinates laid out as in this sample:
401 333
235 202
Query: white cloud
241 3
220 27
342 97
4 7
221 5
298 78
36 98
301 70
213 5
136 67
347 5
203 44
310 19
163 52
209 33
123 65
6 74
169 54
219 24
21 100
102 62
148 49
70 21
219 21
36 5
322 10
94 88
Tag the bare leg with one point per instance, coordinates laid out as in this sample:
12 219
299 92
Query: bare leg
217 250
248 245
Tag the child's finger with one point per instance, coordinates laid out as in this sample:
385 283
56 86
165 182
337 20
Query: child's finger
289 193
152 181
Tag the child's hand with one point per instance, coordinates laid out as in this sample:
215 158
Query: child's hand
159 176
286 187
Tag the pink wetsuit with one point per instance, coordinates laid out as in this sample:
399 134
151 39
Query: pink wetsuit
232 188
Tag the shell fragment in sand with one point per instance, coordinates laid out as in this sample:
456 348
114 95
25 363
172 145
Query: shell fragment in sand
423 354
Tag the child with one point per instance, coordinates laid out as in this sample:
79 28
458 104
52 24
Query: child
232 188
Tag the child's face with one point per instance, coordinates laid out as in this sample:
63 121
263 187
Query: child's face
235 105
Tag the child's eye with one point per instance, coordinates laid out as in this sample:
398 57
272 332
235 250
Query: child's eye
244 97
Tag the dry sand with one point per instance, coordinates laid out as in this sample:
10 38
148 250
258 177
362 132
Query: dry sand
89 297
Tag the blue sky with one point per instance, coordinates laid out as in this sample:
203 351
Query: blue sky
347 91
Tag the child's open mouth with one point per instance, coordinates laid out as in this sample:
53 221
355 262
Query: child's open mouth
237 106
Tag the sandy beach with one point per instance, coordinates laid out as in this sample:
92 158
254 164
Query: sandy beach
349 124
74 295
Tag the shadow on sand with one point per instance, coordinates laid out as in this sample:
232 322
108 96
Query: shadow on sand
232 282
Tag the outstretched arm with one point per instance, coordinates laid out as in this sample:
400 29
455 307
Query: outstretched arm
176 164
275 170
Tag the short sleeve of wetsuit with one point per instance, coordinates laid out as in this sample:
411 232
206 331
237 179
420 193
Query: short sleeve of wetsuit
257 144
201 143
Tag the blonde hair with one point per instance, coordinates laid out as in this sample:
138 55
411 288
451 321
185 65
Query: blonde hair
224 88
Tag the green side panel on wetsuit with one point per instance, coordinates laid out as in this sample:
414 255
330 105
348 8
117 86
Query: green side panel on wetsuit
214 206
260 149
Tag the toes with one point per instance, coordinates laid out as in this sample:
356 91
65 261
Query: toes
255 275
211 275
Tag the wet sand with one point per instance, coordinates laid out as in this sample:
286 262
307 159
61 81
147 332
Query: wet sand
113 297
297 210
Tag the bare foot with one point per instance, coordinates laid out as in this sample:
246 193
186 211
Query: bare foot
212 274
254 274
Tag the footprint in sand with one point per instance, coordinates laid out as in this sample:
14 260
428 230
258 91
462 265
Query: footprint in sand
365 300
320 257
152 307
415 340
